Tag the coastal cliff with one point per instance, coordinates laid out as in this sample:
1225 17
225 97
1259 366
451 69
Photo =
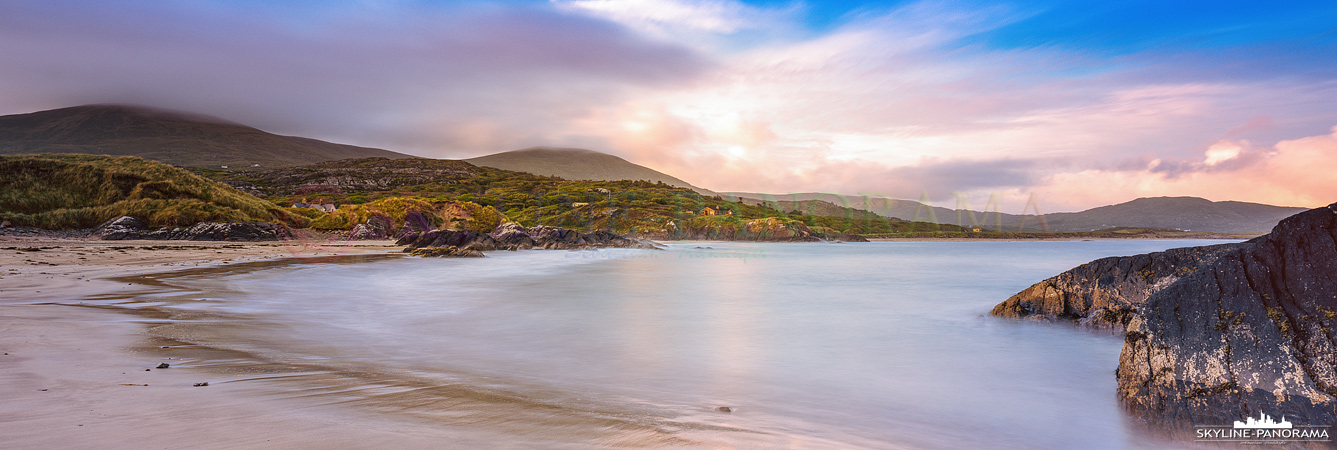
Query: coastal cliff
1103 294
1253 331
1216 333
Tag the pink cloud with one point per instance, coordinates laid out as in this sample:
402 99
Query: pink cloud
1291 173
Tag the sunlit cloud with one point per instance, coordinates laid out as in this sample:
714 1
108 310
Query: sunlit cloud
1291 173
664 15
897 103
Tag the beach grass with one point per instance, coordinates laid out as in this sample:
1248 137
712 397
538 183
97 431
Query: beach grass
67 191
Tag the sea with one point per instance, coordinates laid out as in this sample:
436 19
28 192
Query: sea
702 344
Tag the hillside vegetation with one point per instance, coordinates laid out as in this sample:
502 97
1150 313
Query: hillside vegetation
63 191
444 189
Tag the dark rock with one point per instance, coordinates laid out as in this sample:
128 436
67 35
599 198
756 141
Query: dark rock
376 227
414 223
163 366
203 384
127 227
365 232
724 409
512 236
446 252
1102 294
1218 333
124 227
238 231
407 239
1253 331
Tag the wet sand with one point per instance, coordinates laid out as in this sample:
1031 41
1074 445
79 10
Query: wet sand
85 323
73 371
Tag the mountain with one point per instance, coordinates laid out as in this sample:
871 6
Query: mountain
577 164
887 207
1184 213
172 137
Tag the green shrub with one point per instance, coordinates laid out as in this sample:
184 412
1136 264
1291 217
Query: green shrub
63 191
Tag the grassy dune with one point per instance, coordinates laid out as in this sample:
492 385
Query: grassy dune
64 191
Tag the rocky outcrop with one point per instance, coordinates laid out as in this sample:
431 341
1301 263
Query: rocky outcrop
380 226
512 236
1103 294
376 227
414 223
446 252
1255 330
1218 333
126 227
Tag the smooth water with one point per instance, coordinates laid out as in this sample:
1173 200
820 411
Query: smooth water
883 345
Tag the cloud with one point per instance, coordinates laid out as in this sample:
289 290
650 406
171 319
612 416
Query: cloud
1292 173
664 15
434 81
900 93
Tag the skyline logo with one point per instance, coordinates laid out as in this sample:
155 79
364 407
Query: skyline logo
1264 421
1263 429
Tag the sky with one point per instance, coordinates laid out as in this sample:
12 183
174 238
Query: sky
1067 104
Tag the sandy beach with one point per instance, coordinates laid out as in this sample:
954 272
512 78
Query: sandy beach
85 323
77 375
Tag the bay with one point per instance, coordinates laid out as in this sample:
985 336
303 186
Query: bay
811 345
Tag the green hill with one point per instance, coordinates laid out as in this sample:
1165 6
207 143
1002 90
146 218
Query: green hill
58 191
1184 213
578 164
356 186
177 138
350 176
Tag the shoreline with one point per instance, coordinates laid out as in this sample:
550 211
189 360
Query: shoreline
86 322
73 371
1039 239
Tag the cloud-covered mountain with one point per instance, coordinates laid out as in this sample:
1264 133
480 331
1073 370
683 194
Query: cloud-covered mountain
173 137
